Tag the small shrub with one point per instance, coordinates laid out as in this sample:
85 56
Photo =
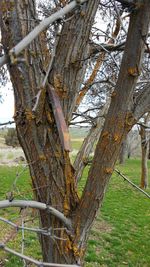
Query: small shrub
11 138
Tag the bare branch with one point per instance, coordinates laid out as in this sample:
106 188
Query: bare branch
134 185
127 3
7 123
36 205
142 102
38 263
15 51
143 125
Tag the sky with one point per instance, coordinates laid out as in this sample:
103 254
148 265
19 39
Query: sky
7 106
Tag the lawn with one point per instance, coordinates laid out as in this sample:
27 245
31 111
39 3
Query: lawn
121 234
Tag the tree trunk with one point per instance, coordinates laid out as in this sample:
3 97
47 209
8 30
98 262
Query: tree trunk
51 171
144 166
50 167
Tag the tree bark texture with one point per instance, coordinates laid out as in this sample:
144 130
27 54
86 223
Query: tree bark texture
51 171
144 166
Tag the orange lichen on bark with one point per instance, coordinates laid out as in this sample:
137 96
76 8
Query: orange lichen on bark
109 170
29 115
105 139
42 157
117 137
133 71
60 89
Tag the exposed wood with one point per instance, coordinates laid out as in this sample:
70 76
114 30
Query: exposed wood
59 118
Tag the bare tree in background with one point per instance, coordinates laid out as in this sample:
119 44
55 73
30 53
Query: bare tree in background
43 111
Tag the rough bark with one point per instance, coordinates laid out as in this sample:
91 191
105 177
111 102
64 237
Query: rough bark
119 121
51 171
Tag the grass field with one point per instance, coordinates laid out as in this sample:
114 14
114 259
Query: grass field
120 236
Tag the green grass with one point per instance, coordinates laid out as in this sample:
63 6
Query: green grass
125 240
121 234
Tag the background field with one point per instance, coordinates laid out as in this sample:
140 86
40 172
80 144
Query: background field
120 235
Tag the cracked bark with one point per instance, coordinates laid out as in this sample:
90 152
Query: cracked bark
49 164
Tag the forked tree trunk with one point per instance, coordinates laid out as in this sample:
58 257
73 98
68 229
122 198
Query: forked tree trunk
51 171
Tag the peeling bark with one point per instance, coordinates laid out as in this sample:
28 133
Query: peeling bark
50 167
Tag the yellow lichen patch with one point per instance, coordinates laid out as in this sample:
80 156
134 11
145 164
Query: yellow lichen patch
82 13
105 140
109 170
58 83
117 137
105 134
29 115
7 6
66 206
68 245
42 157
133 71
49 117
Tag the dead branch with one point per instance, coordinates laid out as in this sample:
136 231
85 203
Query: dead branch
7 123
37 263
36 205
134 185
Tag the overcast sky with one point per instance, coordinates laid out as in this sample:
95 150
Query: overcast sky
7 106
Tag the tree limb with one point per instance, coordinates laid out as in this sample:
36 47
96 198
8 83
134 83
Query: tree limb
37 263
36 205
15 51
134 185
7 123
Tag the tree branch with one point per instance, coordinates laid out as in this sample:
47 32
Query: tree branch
127 3
15 51
37 263
142 102
36 205
7 123
134 185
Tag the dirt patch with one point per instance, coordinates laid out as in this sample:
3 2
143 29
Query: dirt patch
8 155
102 226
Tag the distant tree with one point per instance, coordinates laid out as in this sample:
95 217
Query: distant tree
145 136
11 138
